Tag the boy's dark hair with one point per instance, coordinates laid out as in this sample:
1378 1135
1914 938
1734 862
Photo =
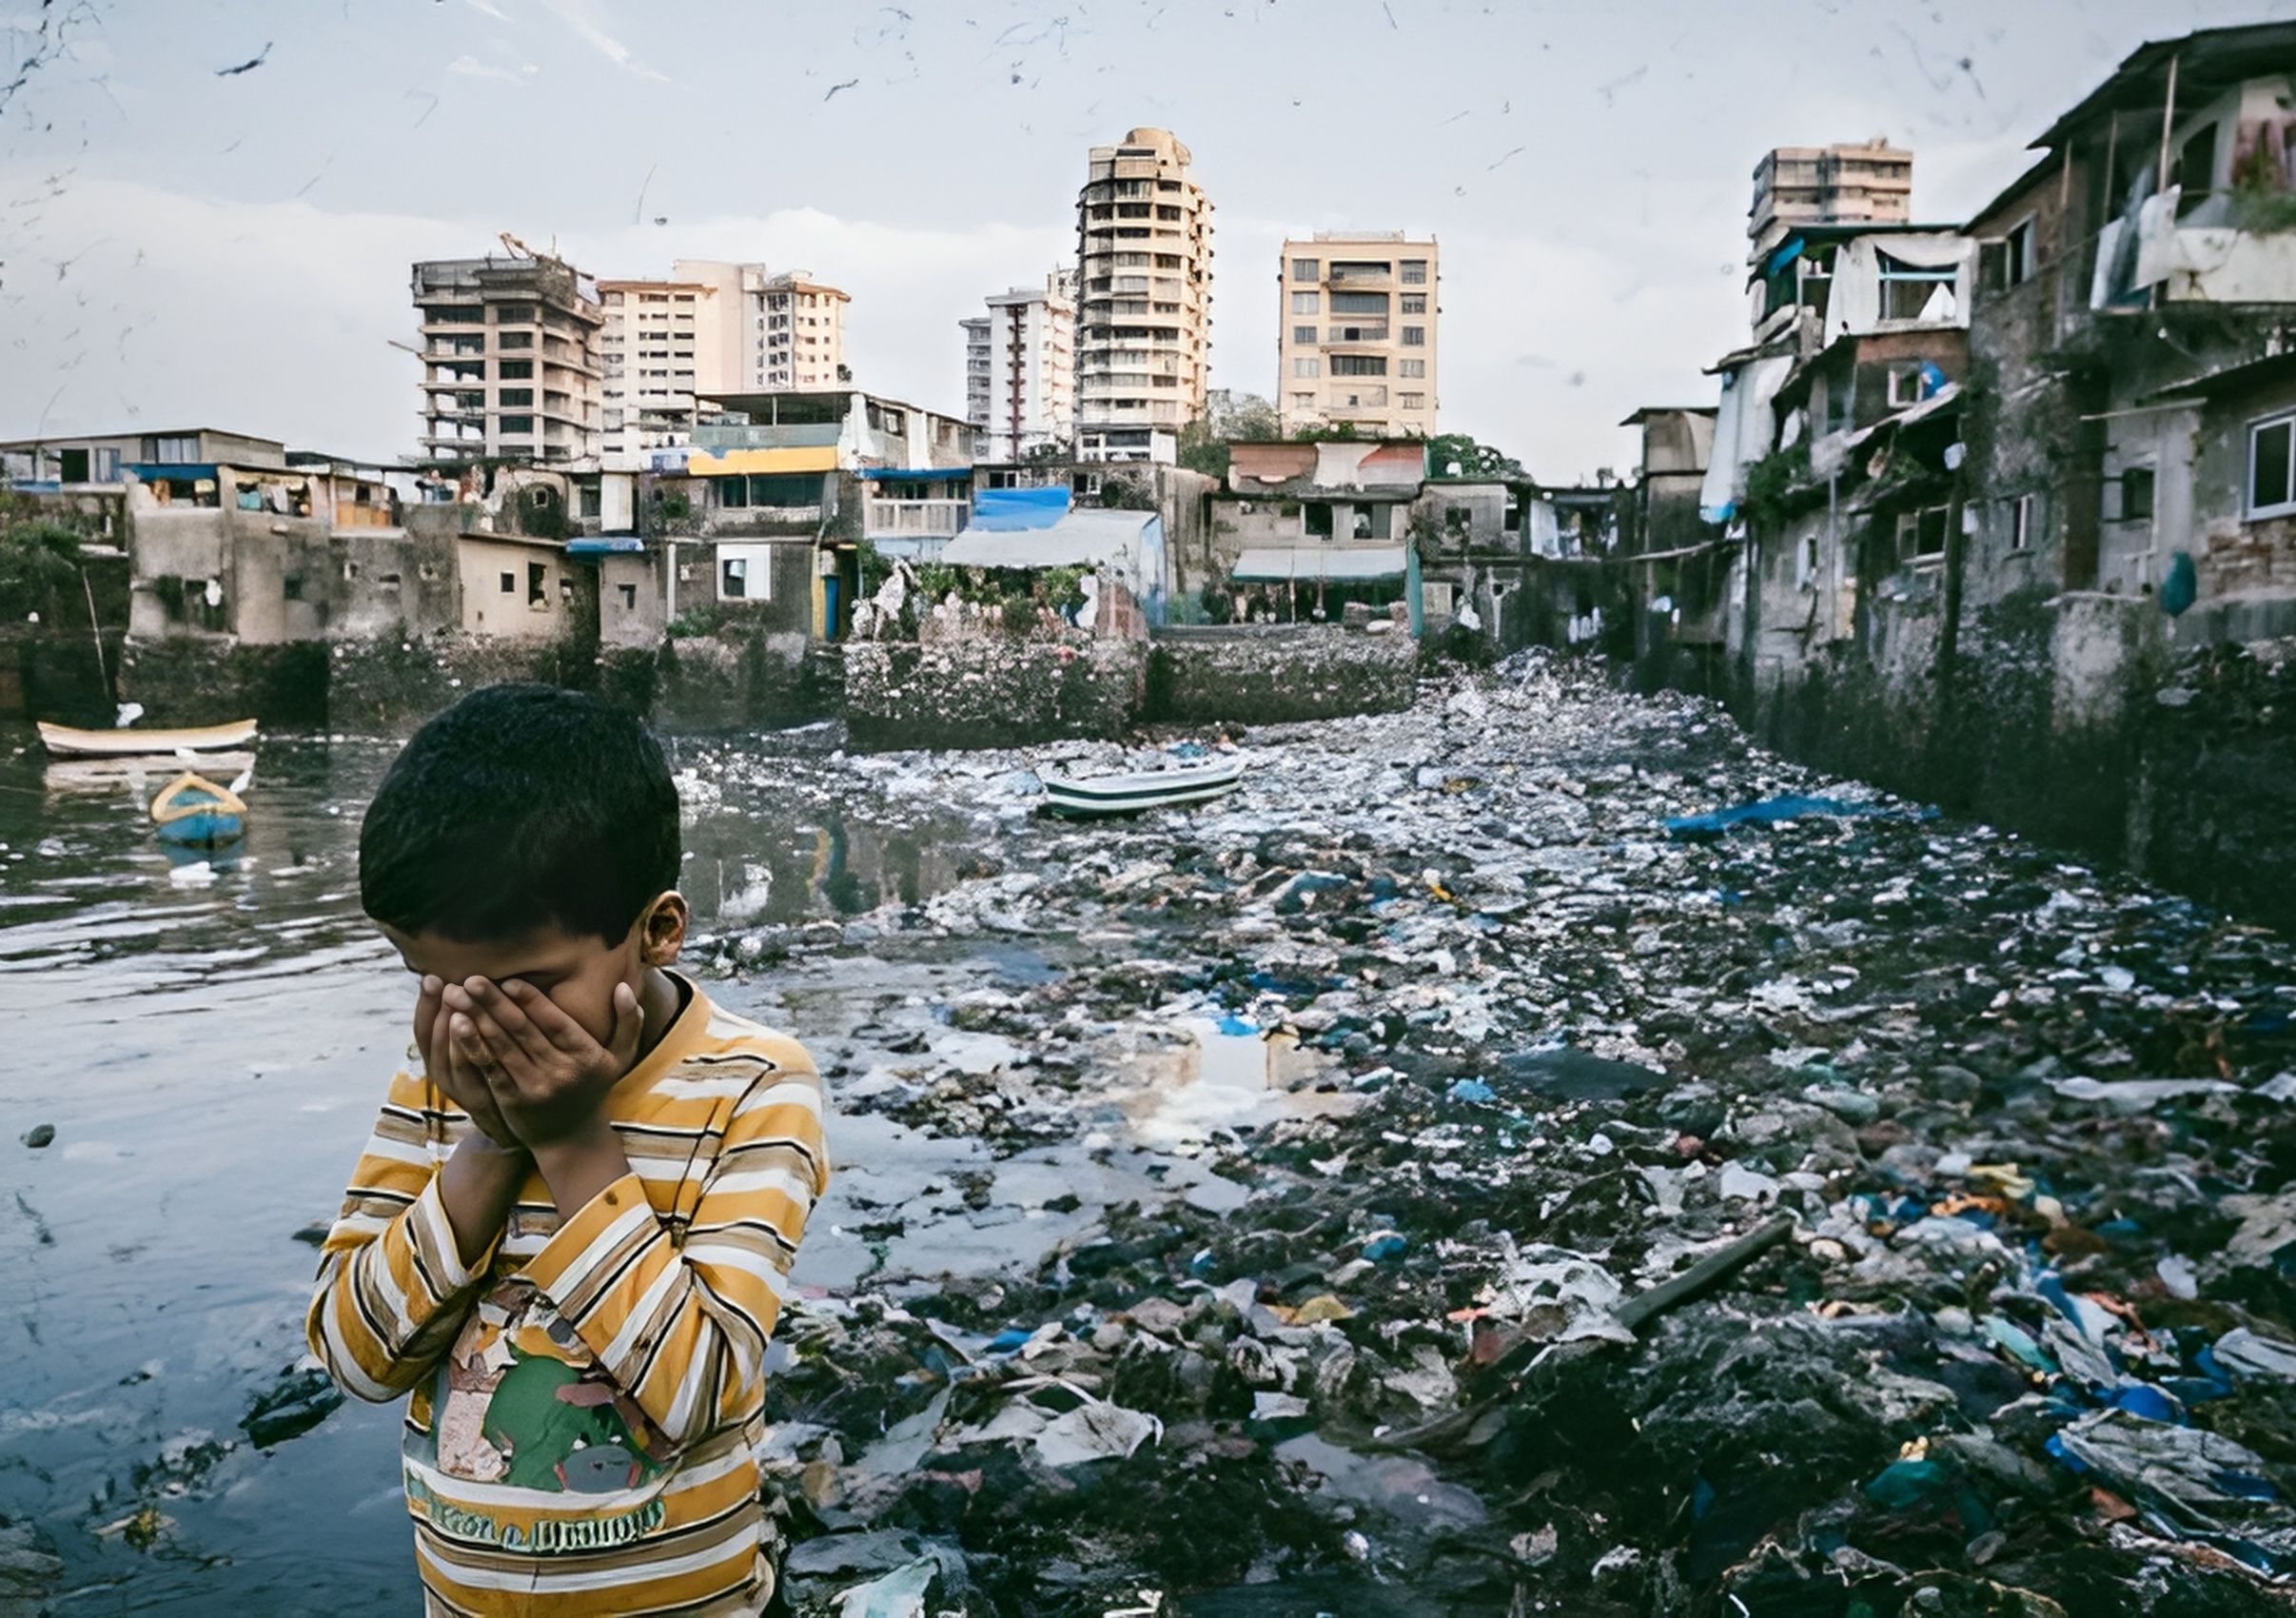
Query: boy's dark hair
520 805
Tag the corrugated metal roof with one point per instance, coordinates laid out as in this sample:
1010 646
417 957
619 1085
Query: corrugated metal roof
1079 538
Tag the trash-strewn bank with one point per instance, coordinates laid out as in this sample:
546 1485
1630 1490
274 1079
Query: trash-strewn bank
1857 1213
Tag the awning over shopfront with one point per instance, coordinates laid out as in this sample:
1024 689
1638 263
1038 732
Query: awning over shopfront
1336 565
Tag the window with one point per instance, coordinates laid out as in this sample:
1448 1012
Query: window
1415 302
1306 303
1415 272
629 594
518 424
1318 515
538 582
513 314
1411 367
2195 170
1921 533
1805 562
1307 366
510 584
172 451
1359 364
1909 291
2024 513
734 578
2136 494
2017 255
1305 334
1306 270
1358 304
1414 337
514 370
514 340
1905 384
518 396
2272 468
745 573
1303 401
1412 401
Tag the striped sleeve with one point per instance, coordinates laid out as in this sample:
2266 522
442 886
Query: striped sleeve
682 1327
392 1287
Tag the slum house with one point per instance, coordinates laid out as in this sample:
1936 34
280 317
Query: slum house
2139 282
1662 522
1510 562
1037 530
1178 495
268 549
1849 518
1304 529
538 553
765 514
1850 323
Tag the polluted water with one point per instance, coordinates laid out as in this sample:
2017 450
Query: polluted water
1531 1152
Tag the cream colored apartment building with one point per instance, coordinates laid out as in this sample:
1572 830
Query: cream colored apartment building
1869 184
1144 237
1358 338
713 327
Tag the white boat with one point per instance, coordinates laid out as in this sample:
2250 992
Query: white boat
1087 796
66 741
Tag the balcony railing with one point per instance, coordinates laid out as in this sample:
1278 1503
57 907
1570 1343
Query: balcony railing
716 438
920 519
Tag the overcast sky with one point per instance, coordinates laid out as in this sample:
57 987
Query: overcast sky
181 244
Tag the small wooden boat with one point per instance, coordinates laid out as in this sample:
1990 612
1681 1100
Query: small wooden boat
192 809
108 775
1088 797
64 742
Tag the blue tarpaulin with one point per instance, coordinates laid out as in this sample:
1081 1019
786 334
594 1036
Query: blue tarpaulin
1770 811
1787 252
605 544
1013 512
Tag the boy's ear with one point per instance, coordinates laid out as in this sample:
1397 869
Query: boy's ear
661 931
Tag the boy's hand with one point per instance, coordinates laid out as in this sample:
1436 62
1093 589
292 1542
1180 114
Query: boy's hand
547 1076
459 1082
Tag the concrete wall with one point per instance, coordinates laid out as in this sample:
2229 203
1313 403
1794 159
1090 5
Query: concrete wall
991 691
520 612
1267 674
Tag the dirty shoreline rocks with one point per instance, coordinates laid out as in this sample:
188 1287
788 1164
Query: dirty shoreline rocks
1823 1210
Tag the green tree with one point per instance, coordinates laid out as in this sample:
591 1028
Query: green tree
1473 460
38 561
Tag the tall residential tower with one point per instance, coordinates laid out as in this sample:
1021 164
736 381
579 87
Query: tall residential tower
1020 368
1144 233
1357 338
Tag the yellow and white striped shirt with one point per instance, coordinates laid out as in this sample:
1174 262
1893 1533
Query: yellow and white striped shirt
588 1396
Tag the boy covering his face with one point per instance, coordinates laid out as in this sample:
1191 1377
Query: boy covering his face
569 1237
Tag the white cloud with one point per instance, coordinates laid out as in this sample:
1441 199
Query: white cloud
279 318
582 17
486 6
472 67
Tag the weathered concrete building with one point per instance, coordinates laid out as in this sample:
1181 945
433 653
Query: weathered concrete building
767 515
510 360
1800 186
2004 514
1304 528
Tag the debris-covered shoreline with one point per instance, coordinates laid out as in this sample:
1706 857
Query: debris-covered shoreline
1989 1158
